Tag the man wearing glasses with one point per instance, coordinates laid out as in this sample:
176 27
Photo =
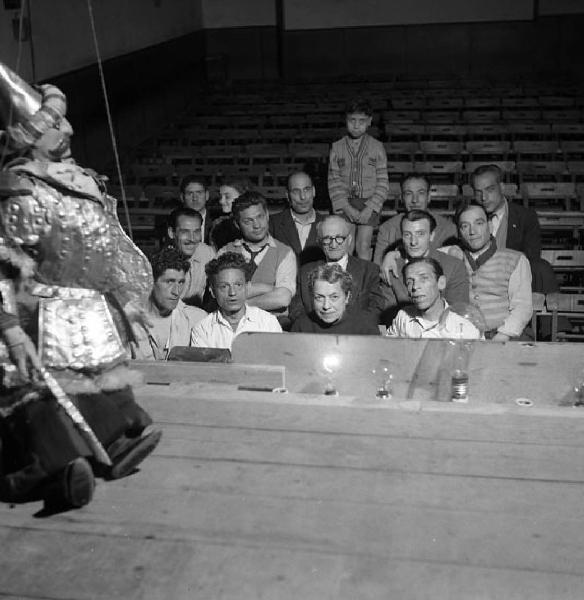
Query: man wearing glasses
334 239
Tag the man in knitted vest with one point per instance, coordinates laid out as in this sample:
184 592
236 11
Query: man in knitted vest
273 282
500 279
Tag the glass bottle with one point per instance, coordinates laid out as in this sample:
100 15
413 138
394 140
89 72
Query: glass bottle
459 377
383 379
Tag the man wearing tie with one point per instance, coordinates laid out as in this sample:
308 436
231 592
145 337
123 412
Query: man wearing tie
273 264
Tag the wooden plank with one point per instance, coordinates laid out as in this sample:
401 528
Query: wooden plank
499 373
181 521
262 377
263 495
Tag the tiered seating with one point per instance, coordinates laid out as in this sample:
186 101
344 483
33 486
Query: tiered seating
444 128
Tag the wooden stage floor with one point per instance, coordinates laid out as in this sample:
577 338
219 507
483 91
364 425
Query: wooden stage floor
302 496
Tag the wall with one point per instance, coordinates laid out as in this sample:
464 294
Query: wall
241 38
218 14
61 32
330 14
153 53
541 47
339 38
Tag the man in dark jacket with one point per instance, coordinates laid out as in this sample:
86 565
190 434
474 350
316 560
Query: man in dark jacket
296 226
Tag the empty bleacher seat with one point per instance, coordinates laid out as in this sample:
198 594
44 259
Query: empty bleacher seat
441 170
547 194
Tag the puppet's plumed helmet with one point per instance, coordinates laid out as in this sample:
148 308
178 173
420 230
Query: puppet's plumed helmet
27 112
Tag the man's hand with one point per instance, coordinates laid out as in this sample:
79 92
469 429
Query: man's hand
22 352
137 316
352 214
389 266
365 215
501 337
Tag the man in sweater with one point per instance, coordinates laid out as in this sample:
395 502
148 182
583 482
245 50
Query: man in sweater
357 177
415 193
418 230
513 226
273 279
500 279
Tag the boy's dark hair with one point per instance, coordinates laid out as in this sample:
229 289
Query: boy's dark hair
464 206
227 260
246 200
168 258
183 211
187 179
436 266
359 105
418 215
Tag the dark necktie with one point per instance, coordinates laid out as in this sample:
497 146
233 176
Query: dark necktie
253 254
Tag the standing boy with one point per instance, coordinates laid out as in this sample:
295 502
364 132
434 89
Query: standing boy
357 178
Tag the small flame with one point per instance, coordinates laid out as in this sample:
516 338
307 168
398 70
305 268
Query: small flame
331 362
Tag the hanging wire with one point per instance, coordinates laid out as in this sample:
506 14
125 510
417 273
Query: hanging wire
109 118
16 70
31 43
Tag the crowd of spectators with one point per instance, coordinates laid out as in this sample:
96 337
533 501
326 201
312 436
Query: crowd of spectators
306 272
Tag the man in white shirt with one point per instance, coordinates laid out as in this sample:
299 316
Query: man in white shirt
171 320
229 279
429 316
185 231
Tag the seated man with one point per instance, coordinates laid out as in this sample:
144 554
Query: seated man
500 279
273 264
296 226
513 226
429 316
195 195
334 237
229 279
331 288
415 193
418 229
184 230
171 319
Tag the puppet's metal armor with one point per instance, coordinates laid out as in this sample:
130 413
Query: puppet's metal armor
61 215
69 280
